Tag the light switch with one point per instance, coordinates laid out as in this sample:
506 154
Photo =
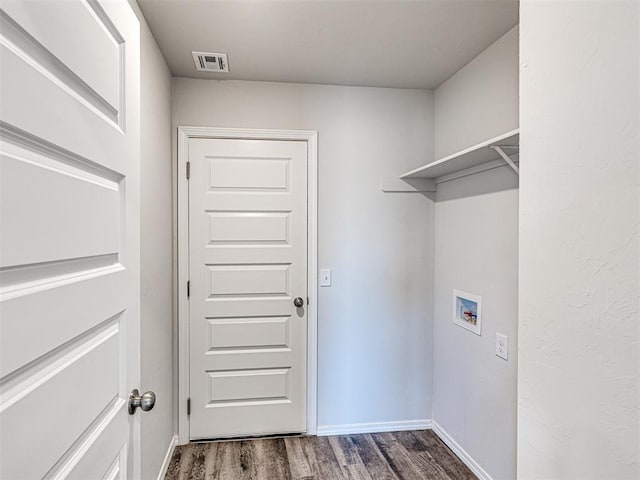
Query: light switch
502 346
325 277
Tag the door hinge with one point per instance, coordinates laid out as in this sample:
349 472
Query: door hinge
188 288
189 406
188 170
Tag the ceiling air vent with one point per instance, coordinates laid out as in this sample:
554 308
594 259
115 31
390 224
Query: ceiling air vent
211 62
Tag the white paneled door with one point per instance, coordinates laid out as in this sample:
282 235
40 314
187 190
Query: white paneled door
69 274
248 271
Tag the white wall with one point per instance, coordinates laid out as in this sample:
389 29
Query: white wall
578 378
476 250
481 100
156 329
375 322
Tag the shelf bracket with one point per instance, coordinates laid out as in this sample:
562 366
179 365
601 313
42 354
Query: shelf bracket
505 157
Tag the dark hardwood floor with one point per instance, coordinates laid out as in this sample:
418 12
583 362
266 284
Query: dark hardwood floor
377 456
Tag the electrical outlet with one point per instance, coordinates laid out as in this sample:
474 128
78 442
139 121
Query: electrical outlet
325 277
502 346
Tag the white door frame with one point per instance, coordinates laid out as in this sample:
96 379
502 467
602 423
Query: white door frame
311 137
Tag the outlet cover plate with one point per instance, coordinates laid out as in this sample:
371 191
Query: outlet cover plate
502 346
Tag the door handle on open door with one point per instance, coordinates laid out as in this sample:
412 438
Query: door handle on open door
298 302
146 401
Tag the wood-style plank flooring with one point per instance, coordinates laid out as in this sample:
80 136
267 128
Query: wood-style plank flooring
378 456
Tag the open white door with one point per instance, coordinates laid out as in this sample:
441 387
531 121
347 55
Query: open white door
69 251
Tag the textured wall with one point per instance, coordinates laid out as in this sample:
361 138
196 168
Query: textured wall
578 385
374 325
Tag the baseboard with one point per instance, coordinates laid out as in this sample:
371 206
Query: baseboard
460 452
375 427
167 458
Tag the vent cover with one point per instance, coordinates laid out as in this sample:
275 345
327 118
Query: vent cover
210 62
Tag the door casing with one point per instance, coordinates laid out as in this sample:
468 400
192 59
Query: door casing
181 227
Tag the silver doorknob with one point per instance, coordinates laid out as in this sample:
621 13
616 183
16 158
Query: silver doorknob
298 302
146 401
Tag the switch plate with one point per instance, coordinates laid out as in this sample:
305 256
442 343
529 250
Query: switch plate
502 346
325 277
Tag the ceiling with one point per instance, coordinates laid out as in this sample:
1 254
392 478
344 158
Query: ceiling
403 44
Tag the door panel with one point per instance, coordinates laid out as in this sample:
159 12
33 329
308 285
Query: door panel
241 174
248 261
249 281
249 333
54 386
69 270
97 294
49 191
40 83
96 61
249 228
248 387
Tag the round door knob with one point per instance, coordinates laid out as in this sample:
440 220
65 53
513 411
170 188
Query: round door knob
298 302
146 401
